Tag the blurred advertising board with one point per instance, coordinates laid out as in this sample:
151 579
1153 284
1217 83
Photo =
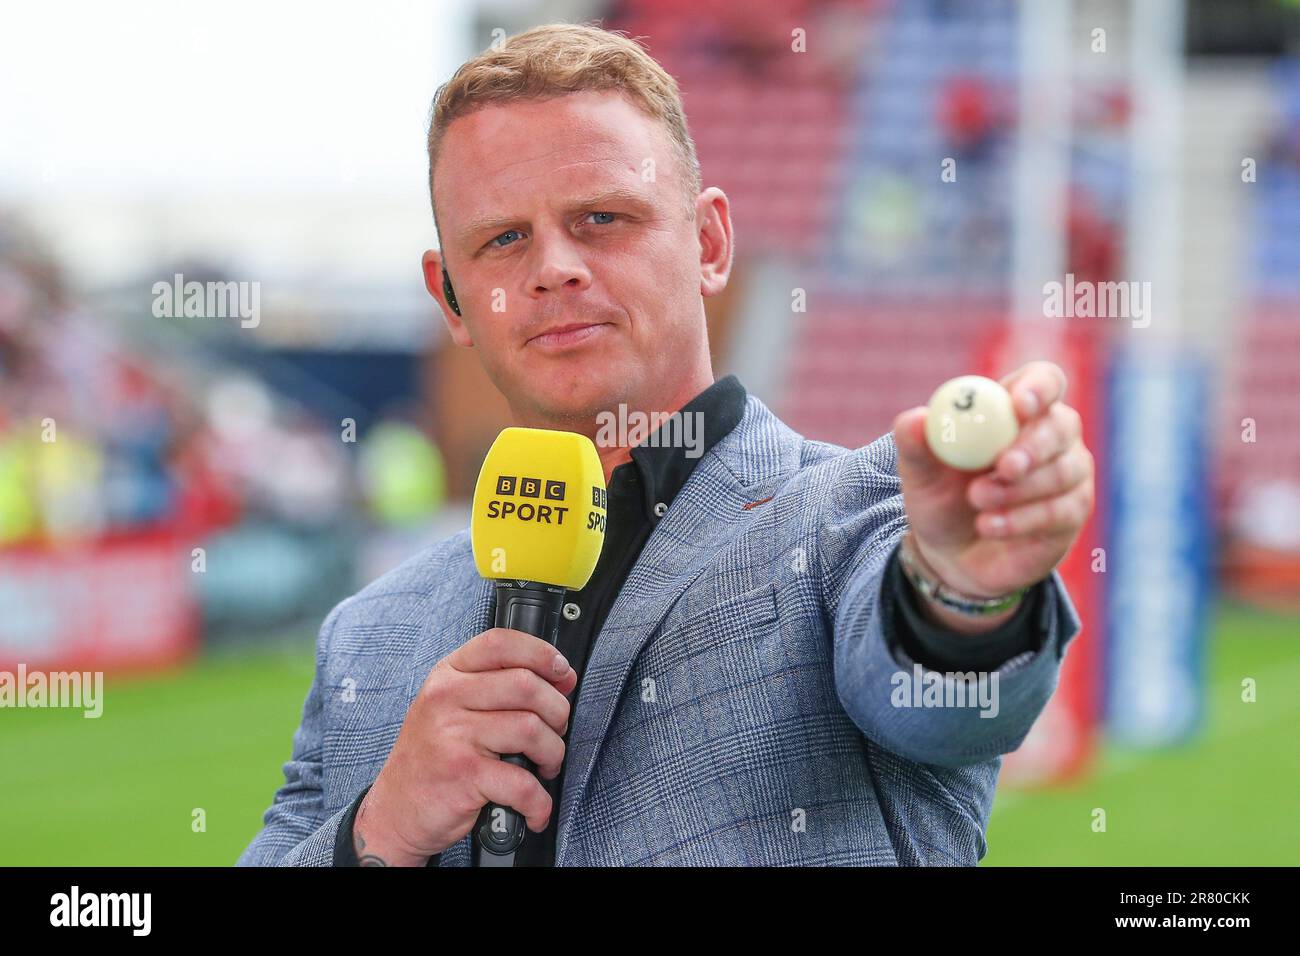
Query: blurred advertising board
120 602
1160 548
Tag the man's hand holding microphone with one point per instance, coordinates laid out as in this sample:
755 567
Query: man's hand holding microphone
503 692
537 528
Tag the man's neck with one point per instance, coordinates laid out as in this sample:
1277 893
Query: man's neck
613 455
611 458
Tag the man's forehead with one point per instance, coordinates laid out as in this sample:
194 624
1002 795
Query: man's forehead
576 145
604 116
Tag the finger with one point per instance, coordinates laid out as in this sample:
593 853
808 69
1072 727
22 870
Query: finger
518 689
1064 513
520 732
501 647
509 786
1056 477
915 460
1034 387
566 684
1039 442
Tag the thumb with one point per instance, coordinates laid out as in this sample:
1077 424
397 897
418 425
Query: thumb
915 460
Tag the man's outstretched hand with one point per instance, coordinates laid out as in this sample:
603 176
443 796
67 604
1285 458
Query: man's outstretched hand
992 532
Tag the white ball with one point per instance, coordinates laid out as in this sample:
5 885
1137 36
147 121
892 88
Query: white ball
970 422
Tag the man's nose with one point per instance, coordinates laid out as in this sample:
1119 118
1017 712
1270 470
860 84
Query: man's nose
557 265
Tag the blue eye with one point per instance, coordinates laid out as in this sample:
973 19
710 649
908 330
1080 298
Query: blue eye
515 232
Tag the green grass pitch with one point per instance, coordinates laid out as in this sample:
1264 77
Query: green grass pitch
123 789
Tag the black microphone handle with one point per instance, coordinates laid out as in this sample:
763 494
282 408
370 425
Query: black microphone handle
534 609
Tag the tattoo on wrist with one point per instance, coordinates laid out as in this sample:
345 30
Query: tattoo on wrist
367 859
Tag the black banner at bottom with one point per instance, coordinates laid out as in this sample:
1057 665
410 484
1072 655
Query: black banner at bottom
243 905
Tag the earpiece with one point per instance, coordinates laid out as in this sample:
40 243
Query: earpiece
449 292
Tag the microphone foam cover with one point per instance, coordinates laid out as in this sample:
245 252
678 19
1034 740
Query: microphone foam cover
539 508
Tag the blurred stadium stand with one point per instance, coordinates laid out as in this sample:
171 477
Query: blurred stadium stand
829 160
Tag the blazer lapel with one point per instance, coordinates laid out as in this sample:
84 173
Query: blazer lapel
734 473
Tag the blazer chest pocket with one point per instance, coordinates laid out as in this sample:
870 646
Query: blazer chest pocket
753 609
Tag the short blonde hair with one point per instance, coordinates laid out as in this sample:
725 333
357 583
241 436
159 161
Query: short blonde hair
560 58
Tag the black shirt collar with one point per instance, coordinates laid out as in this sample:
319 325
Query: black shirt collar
663 464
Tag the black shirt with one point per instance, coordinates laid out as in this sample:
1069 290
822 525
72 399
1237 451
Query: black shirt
649 483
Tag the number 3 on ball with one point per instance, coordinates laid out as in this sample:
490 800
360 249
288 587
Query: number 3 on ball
971 421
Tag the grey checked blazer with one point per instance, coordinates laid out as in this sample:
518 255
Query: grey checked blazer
736 706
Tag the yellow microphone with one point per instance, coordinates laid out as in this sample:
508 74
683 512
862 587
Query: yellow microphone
537 527
539 508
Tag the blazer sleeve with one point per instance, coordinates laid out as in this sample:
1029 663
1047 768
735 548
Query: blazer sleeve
862 524
296 830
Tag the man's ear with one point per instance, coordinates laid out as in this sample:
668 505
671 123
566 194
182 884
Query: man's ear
432 264
713 226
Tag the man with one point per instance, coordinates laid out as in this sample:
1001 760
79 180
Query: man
741 642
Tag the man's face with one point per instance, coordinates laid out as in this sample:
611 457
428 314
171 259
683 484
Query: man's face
548 222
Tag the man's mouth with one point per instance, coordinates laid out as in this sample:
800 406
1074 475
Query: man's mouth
562 336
